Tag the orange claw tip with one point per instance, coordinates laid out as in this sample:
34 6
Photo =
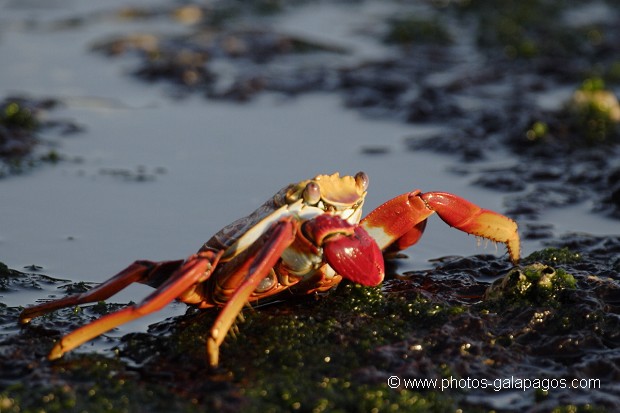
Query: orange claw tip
470 218
498 228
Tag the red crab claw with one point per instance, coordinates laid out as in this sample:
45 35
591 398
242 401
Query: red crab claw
400 222
347 248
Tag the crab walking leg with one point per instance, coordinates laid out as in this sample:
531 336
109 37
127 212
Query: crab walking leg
469 217
139 271
399 223
253 270
195 269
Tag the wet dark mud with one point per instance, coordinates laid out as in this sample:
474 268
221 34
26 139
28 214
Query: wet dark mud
221 64
536 337
22 120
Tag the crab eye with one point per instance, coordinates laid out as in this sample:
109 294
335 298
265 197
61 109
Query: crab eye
312 193
361 179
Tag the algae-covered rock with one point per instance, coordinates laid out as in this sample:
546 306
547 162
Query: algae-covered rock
337 352
554 256
415 30
595 112
90 383
537 283
21 121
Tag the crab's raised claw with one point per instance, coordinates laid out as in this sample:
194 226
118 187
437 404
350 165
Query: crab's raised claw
252 267
195 269
400 222
356 257
348 249
468 217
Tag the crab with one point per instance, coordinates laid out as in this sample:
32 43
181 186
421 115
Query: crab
305 239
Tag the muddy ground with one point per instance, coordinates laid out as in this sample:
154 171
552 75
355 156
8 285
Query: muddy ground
480 68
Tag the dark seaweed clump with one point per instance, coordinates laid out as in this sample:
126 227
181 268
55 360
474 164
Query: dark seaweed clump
21 122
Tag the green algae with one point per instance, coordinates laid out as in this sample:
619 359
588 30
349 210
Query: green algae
21 121
15 114
553 256
355 318
336 395
310 360
90 383
526 29
573 408
595 112
415 30
536 283
304 356
539 130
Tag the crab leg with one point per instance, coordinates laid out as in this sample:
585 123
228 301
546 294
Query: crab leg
400 222
195 269
255 266
146 272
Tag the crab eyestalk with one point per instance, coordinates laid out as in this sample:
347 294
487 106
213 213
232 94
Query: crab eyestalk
347 248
